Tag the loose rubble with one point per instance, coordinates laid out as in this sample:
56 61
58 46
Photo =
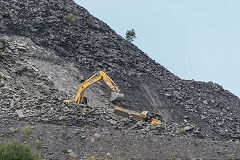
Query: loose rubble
44 59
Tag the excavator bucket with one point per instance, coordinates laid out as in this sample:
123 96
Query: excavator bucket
115 96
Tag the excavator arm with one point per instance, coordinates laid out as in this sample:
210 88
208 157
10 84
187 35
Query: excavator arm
109 81
153 118
79 97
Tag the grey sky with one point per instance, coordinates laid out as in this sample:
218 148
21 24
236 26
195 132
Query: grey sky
197 39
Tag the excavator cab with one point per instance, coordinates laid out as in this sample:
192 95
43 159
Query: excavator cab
156 118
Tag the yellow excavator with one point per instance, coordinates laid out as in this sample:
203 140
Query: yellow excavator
153 118
79 97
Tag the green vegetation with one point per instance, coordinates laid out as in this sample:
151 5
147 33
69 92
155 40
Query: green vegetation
25 131
64 150
89 19
130 35
39 144
72 18
17 151
231 157
91 156
64 125
15 131
75 12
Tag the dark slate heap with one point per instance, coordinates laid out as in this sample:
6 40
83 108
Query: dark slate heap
78 37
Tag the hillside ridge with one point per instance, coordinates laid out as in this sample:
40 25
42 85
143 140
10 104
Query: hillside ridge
50 46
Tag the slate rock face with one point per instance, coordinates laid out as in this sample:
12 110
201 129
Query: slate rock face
2 44
88 44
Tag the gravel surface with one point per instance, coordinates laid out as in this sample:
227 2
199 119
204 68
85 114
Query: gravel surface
62 142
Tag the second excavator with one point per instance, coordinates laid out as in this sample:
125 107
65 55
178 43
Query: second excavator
153 118
80 98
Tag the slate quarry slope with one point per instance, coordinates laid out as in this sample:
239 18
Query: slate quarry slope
91 45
